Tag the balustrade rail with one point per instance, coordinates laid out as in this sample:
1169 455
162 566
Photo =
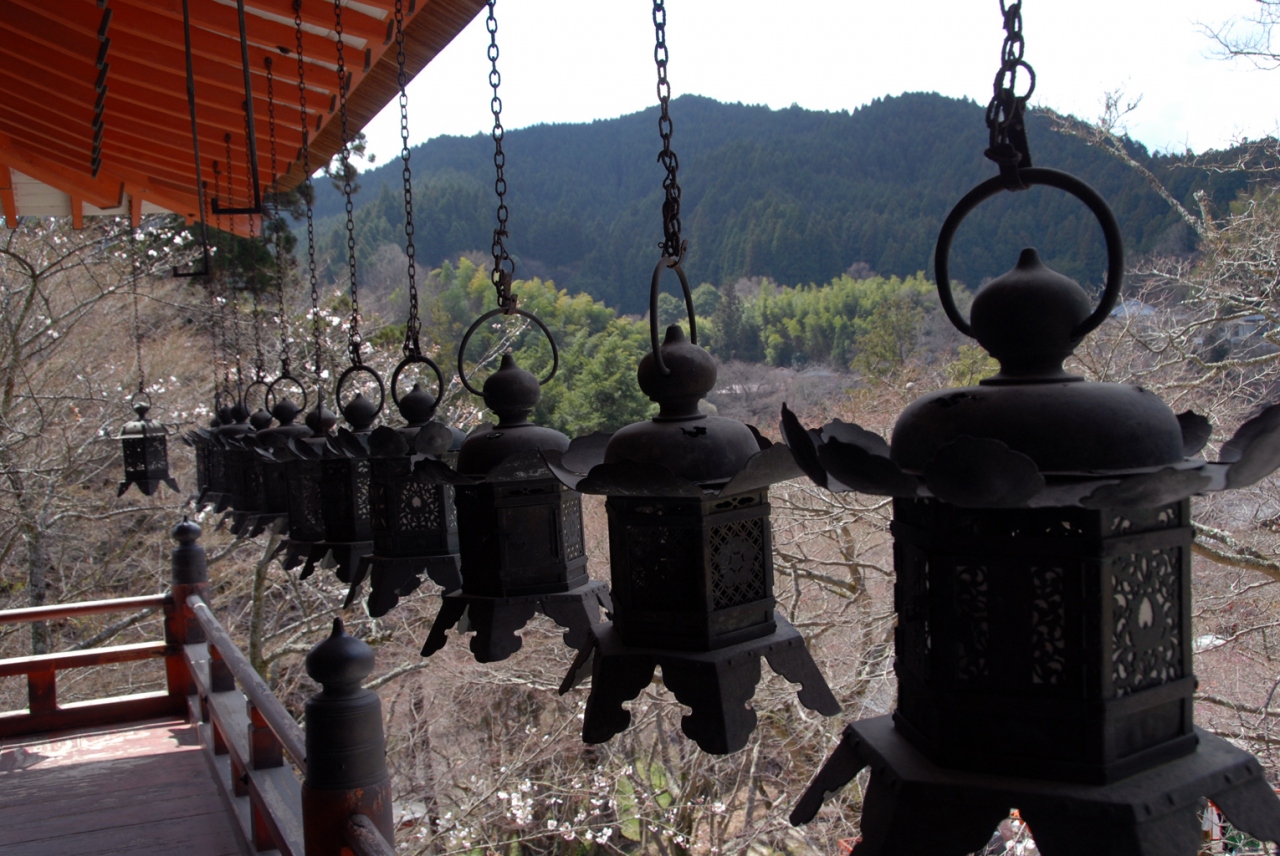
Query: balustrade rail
246 733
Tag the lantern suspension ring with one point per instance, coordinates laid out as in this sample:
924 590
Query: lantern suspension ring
359 368
664 263
462 350
1030 177
417 359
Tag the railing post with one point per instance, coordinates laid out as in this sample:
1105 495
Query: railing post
346 752
188 575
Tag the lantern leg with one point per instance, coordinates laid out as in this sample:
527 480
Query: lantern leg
716 689
617 675
450 611
578 610
916 808
496 622
391 579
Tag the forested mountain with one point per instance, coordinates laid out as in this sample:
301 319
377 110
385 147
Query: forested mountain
795 195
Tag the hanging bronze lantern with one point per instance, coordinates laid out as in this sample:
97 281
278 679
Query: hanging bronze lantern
415 525
144 448
1042 547
520 528
344 485
244 459
304 475
691 555
270 447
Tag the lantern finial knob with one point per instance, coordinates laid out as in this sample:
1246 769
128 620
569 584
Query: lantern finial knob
1027 319
692 374
360 412
511 392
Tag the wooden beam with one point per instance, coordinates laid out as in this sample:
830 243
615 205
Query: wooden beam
104 191
135 210
77 212
7 202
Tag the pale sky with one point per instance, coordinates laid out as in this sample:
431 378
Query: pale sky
578 60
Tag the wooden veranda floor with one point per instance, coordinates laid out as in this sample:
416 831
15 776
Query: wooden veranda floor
138 788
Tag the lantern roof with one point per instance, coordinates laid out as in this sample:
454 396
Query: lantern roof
95 118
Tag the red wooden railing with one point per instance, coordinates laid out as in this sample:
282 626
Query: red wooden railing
44 713
246 732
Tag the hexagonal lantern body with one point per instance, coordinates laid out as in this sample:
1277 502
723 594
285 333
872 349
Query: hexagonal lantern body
414 522
275 478
234 463
694 574
1044 642
251 517
691 556
344 491
304 474
520 530
145 452
521 537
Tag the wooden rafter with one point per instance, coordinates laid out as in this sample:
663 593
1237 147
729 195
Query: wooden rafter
94 91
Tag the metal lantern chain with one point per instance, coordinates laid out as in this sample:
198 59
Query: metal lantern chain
504 267
136 265
1007 133
276 233
307 190
353 328
413 327
672 245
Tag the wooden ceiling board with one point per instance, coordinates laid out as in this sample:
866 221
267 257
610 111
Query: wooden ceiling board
52 58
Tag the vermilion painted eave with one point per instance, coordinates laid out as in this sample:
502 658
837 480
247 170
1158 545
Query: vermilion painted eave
153 173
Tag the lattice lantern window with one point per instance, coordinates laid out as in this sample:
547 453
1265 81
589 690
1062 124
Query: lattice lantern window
144 449
303 460
414 522
345 481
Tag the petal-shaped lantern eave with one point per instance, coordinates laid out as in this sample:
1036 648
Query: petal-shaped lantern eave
348 444
581 467
983 473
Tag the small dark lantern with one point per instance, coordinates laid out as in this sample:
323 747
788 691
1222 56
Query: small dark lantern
520 528
143 444
415 525
304 473
247 462
691 553
231 462
144 447
1042 546
270 447
344 484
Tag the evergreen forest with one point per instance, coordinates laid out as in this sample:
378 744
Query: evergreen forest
794 195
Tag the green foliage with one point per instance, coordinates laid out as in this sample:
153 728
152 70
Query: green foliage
795 195
971 365
598 350
869 323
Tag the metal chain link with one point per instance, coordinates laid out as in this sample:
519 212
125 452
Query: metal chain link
412 327
504 267
230 183
672 245
277 233
215 291
1007 133
259 357
307 188
353 326
136 265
